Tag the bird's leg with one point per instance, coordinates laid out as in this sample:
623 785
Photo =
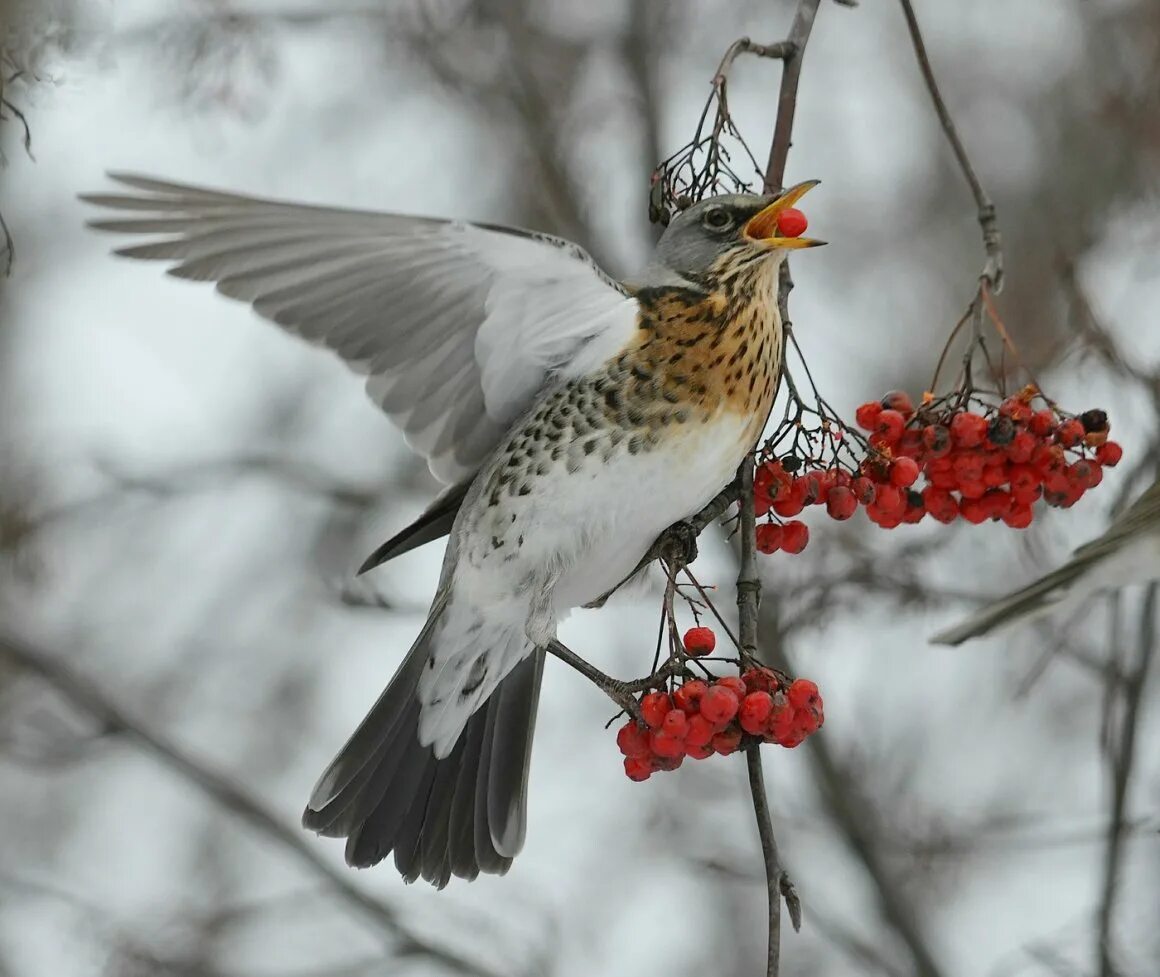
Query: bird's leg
677 545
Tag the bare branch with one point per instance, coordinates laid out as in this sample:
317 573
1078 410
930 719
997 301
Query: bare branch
799 35
222 791
988 218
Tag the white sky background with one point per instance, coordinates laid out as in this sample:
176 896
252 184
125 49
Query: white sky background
205 611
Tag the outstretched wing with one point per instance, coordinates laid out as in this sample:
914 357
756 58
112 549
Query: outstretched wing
455 325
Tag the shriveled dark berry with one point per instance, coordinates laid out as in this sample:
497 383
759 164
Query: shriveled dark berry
1093 421
1001 431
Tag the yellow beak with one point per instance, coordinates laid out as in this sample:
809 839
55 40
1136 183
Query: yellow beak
763 225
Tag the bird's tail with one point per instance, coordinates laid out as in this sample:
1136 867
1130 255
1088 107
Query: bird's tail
1034 599
460 815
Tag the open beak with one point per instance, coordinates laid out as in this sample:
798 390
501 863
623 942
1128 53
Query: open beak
763 225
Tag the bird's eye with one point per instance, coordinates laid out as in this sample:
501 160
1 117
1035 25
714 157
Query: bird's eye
718 219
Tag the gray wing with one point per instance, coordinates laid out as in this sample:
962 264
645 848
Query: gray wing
455 325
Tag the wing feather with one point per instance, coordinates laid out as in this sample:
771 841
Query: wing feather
456 326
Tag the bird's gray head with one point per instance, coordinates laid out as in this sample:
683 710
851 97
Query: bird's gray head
736 226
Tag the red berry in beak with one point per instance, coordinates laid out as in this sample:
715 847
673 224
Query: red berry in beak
791 222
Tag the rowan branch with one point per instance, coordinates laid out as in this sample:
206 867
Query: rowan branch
992 273
225 793
748 578
799 36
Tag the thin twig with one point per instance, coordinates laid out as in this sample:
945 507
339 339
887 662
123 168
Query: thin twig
988 218
222 791
1122 767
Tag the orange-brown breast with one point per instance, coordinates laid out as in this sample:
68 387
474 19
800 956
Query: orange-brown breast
704 354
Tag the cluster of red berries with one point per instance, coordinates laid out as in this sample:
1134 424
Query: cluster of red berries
995 463
701 718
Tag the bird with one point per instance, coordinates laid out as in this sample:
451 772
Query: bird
1127 552
571 417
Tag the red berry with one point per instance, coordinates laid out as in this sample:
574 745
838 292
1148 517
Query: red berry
664 745
910 444
863 490
676 724
755 710
698 752
968 466
842 503
632 739
1070 433
699 732
1109 454
867 415
791 222
972 510
904 472
768 537
940 504
1024 478
1089 474
882 518
699 641
890 425
736 684
1018 516
654 707
1042 423
719 705
801 693
667 763
972 489
968 430
727 741
900 401
1022 446
1026 496
790 503
759 680
891 500
638 768
1017 409
688 696
996 503
936 439
795 535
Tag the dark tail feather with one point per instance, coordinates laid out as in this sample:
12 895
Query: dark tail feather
435 523
461 815
1032 600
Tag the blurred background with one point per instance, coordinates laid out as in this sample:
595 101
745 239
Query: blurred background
185 493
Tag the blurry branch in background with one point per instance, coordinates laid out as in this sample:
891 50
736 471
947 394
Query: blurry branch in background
86 696
10 73
1120 757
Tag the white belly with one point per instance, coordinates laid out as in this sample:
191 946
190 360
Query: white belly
580 533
